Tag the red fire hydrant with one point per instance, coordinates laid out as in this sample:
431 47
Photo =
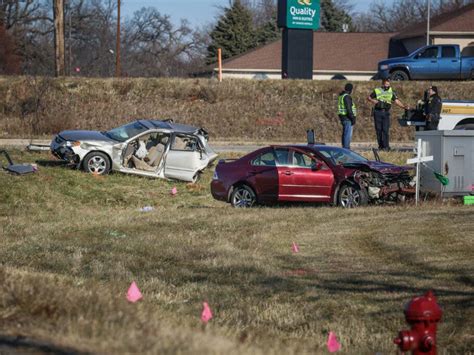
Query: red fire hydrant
423 314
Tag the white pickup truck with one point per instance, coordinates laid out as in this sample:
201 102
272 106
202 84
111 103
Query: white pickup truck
454 115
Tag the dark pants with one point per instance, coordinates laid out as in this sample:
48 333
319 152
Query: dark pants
432 125
382 128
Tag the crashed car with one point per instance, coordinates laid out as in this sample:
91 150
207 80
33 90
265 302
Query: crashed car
152 148
309 173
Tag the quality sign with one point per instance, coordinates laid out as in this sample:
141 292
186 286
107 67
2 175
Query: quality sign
302 14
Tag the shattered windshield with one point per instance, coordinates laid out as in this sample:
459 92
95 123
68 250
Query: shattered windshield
340 155
127 131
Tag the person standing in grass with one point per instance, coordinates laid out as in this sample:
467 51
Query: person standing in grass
433 109
383 98
347 114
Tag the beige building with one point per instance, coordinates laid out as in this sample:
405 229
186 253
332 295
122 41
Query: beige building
354 56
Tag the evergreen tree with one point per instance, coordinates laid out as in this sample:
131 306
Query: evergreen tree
234 33
333 17
268 32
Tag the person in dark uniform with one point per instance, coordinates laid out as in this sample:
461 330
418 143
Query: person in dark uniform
347 112
383 98
433 109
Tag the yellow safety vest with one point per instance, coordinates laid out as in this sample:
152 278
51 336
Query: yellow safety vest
384 95
341 106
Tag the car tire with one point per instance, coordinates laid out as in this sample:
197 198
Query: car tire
399 75
96 163
243 197
352 196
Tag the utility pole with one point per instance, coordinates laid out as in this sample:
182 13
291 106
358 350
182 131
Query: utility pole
428 24
118 65
59 57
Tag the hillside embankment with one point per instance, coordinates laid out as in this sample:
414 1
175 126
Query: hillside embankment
234 110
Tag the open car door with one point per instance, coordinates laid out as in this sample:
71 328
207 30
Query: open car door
186 158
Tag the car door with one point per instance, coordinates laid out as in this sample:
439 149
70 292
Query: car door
185 158
449 63
263 175
304 177
426 64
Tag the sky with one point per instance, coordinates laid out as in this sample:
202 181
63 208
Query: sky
197 12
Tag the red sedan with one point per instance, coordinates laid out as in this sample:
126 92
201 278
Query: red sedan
309 173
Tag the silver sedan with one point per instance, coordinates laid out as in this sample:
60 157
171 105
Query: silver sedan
153 148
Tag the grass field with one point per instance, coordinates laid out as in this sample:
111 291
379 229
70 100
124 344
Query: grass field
72 243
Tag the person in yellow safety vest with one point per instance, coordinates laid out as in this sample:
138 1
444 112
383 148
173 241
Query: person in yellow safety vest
382 98
347 112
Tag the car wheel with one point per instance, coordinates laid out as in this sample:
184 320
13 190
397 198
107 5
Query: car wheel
399 75
243 196
97 163
351 196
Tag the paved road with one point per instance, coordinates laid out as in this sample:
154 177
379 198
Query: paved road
219 147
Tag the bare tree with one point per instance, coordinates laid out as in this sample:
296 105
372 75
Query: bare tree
385 17
154 46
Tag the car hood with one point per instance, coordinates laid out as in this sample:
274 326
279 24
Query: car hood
393 60
84 136
381 167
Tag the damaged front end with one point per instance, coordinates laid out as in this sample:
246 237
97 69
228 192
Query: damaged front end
385 184
62 149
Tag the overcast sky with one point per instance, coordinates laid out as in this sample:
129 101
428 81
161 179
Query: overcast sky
198 12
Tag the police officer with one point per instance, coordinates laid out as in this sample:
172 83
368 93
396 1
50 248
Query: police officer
383 98
347 114
433 109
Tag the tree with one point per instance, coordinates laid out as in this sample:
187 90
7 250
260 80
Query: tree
154 47
9 60
384 17
334 15
234 33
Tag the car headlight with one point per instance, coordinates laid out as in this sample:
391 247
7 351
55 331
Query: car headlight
384 67
73 144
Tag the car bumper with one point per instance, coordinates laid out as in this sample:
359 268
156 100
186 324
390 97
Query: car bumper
61 151
218 190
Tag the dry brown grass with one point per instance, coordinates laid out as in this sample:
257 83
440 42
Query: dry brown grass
71 244
232 110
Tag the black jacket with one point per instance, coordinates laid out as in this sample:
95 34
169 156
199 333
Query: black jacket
348 103
434 107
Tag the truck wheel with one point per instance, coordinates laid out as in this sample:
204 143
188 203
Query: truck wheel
399 75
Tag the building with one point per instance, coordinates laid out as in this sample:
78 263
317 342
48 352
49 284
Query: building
354 56
455 27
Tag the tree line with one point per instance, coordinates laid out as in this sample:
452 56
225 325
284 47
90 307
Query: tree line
152 45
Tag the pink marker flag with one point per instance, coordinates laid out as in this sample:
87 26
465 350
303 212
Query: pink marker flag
332 343
174 191
133 293
295 248
206 314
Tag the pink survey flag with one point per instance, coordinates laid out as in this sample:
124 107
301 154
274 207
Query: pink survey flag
332 343
206 314
133 293
295 248
174 191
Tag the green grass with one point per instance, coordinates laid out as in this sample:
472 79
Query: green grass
71 244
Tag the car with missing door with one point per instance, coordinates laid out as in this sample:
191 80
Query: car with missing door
152 148
309 173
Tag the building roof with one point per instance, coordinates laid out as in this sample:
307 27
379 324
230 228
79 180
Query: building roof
460 20
334 51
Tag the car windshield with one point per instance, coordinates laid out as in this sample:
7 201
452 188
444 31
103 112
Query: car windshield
340 155
127 131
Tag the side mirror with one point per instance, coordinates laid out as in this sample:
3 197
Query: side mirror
317 165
